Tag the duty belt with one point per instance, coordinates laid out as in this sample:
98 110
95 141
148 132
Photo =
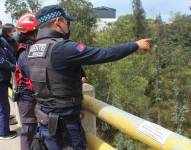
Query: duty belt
58 102
52 119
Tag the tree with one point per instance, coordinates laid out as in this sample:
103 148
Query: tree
122 84
138 19
85 21
19 7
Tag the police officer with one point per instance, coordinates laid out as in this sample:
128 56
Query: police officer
55 71
27 27
8 35
6 67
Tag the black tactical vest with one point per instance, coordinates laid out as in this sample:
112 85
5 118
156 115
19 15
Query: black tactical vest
52 88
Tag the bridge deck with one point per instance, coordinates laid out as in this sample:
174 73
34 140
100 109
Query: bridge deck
12 144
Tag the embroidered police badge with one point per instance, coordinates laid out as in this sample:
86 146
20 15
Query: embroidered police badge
80 47
38 50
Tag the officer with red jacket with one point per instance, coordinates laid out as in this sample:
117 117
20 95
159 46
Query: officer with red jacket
27 29
55 72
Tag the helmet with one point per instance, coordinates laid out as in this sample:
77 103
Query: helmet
26 23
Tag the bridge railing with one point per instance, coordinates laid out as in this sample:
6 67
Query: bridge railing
146 132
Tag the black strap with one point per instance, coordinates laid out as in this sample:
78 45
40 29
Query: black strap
52 124
60 102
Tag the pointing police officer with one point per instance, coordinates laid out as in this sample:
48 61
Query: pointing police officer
55 72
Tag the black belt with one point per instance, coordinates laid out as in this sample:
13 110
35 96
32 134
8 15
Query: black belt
59 102
52 119
69 119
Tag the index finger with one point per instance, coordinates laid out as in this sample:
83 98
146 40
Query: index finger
148 39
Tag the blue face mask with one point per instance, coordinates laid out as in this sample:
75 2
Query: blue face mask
15 36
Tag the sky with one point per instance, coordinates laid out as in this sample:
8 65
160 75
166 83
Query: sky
166 8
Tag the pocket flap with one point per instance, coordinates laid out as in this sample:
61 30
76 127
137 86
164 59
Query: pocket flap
38 74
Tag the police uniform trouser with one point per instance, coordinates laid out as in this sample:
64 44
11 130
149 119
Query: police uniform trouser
4 109
26 109
68 136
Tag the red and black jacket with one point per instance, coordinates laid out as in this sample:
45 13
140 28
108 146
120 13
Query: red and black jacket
22 71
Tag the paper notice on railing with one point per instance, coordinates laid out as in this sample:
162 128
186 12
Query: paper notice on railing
154 131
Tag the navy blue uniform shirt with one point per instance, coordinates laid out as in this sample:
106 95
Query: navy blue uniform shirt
68 56
74 54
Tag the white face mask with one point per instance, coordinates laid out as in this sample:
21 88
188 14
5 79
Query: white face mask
15 36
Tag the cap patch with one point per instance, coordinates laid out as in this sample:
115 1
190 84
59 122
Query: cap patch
80 47
49 16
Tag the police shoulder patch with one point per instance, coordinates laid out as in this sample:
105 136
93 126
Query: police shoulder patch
80 47
38 50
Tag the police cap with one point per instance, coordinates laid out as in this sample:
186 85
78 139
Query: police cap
50 12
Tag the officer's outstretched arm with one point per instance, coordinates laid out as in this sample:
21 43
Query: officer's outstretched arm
75 53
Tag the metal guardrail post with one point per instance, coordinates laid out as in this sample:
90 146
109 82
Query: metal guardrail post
89 120
89 124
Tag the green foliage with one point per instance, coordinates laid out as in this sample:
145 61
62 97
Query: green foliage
179 117
138 19
123 143
128 85
19 7
155 86
122 30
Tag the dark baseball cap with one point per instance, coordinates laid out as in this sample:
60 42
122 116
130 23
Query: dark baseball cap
50 12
